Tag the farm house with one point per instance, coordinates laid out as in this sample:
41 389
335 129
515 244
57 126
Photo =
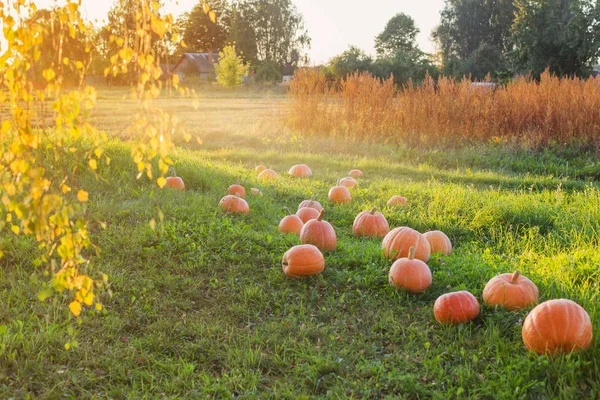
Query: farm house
196 66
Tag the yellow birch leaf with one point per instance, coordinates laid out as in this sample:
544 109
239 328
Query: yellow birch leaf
82 196
75 308
161 182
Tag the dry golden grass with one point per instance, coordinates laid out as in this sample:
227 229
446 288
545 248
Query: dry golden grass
554 110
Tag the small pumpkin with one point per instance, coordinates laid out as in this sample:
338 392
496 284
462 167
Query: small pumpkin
511 291
320 233
312 203
371 224
174 182
234 205
456 308
355 173
439 242
398 242
303 260
396 201
348 182
300 170
557 326
411 274
260 168
291 224
237 190
268 175
339 194
256 192
307 213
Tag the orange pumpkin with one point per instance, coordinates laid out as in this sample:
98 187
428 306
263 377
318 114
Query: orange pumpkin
303 260
320 233
291 224
256 192
355 173
307 213
260 168
370 223
301 170
268 175
557 326
348 182
439 242
456 308
312 203
234 204
411 274
511 291
237 190
398 242
175 182
396 201
339 194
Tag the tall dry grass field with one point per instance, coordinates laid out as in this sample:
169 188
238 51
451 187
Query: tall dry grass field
553 110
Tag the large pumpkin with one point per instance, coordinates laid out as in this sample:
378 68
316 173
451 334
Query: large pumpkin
370 223
312 203
511 291
348 182
339 194
398 242
237 190
268 175
260 168
456 308
234 204
303 260
410 274
301 170
175 182
291 224
320 233
355 173
307 213
396 201
557 326
438 242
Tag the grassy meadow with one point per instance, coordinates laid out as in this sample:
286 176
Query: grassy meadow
200 307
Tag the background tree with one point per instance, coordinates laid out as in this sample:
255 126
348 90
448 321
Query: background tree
399 35
200 33
231 68
350 61
242 32
563 35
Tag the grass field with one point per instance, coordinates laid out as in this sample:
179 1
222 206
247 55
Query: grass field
201 308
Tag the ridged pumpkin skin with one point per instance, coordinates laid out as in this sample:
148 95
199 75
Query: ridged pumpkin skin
411 274
307 213
438 242
303 260
268 175
339 194
260 168
511 291
256 192
355 173
311 204
396 201
370 224
557 326
348 182
319 233
175 182
398 242
300 170
237 190
234 205
456 308
291 224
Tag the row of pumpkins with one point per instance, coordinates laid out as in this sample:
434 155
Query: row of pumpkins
555 326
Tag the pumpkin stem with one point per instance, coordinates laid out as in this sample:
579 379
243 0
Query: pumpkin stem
321 214
373 210
515 277
172 171
411 252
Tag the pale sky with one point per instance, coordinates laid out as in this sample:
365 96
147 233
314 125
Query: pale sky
333 25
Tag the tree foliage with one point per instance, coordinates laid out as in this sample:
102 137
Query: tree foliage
399 35
231 68
200 33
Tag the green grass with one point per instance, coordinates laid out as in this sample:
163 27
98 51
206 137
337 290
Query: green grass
200 306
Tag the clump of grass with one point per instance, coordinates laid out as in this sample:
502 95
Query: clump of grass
553 110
